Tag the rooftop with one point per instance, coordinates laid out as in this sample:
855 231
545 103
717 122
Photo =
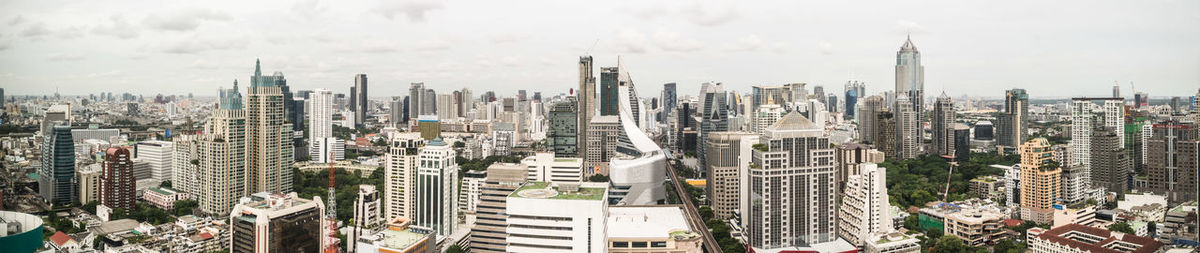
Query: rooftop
544 190
1099 240
646 222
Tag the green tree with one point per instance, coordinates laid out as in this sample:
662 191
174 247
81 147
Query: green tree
598 178
706 212
455 249
185 207
1121 227
1008 246
950 244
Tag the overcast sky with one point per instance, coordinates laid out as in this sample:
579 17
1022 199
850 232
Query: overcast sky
978 48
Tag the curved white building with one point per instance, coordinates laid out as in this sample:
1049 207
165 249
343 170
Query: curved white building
638 171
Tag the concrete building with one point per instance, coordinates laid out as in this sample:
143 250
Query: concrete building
400 172
398 237
648 229
1076 238
942 126
269 136
976 227
1172 160
469 189
765 116
587 105
866 118
1087 116
1014 120
602 144
865 209
886 138
89 182
57 174
798 153
367 215
447 110
575 224
504 138
59 114
894 242
1111 163
547 167
909 135
117 181
358 99
910 84
320 122
564 130
435 205
489 233
184 173
265 222
985 187
1041 181
221 161
849 157
326 150
157 154
729 162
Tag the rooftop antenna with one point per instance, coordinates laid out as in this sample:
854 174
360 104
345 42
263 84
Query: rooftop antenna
589 50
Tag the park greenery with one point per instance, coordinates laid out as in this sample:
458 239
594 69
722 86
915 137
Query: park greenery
316 183
914 182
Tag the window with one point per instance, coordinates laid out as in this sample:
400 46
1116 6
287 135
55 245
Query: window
620 244
639 244
658 244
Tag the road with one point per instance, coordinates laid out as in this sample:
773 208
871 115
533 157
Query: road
710 243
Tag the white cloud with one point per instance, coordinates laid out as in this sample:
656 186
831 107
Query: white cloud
506 37
649 12
5 44
16 20
825 47
193 46
631 41
64 57
909 27
711 12
117 27
434 44
184 20
415 10
35 30
746 43
673 42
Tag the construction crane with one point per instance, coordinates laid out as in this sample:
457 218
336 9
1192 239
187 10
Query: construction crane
953 162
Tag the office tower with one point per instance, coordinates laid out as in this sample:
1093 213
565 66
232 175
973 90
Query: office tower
819 94
416 100
1171 163
1110 161
868 112
798 160
908 129
1013 121
639 166
855 91
366 215
359 94
910 81
832 106
962 141
157 154
942 126
466 102
488 235
1116 90
669 98
429 126
609 87
57 175
429 102
89 183
398 112
729 160
849 158
4 100
779 95
117 182
885 133
221 159
504 137
1086 115
579 216
269 155
353 100
865 209
1175 106
184 172
299 114
766 116
435 186
400 171
320 120
272 222
564 131
602 142
521 95
326 150
714 114
1041 181
984 130
446 109
1141 99
56 115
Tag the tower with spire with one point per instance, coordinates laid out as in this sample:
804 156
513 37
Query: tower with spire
910 83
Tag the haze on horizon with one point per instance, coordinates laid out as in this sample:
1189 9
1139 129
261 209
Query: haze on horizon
977 48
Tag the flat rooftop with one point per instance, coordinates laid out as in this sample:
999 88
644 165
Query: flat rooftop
646 222
399 238
544 190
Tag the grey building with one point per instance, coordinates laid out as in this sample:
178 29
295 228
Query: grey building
564 129
57 175
1013 121
359 94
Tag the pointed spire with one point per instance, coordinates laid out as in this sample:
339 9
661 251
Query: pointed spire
257 67
908 44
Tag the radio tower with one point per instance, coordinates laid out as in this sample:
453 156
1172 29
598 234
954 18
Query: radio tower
331 213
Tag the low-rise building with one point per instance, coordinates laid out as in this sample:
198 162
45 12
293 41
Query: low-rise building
164 197
1076 238
976 227
644 229
545 167
986 187
265 221
1084 215
558 217
399 237
894 242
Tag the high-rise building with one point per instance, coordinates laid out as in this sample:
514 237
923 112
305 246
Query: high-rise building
609 87
1141 99
489 233
1013 121
271 222
849 158
359 94
984 130
766 116
669 98
429 102
326 150
865 209
269 153
400 173
1041 181
942 126
446 109
56 181
910 81
89 183
157 154
367 218
578 215
602 143
819 94
587 103
778 95
1086 116
546 167
729 160
436 205
117 182
56 115
791 201
320 110
962 141
564 130
885 133
398 112
909 135
868 112
1172 163
855 91
714 114
184 172
1110 161
221 160
416 100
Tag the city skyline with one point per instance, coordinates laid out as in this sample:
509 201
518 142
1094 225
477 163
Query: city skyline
440 43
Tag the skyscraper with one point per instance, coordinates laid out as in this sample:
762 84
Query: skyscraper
157 154
819 94
910 80
587 103
416 100
790 201
1110 161
669 98
400 171
1172 160
886 139
867 115
908 129
488 235
962 141
729 160
1086 116
321 115
57 175
274 222
855 91
269 153
398 115
849 160
564 131
366 215
1041 181
1013 121
609 87
221 158
117 182
942 125
714 114
359 94
865 209
436 207
446 109
183 174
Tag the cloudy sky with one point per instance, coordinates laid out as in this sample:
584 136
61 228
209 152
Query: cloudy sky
978 48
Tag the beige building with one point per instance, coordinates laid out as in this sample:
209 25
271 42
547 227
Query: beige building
894 242
1041 182
650 229
489 232
1076 238
728 160
221 161
269 147
865 209
975 226
89 183
400 169
602 134
267 222
850 156
985 187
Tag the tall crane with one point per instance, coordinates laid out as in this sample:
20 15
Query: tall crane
953 162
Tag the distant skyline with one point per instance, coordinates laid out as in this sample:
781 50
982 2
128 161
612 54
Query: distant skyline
975 48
